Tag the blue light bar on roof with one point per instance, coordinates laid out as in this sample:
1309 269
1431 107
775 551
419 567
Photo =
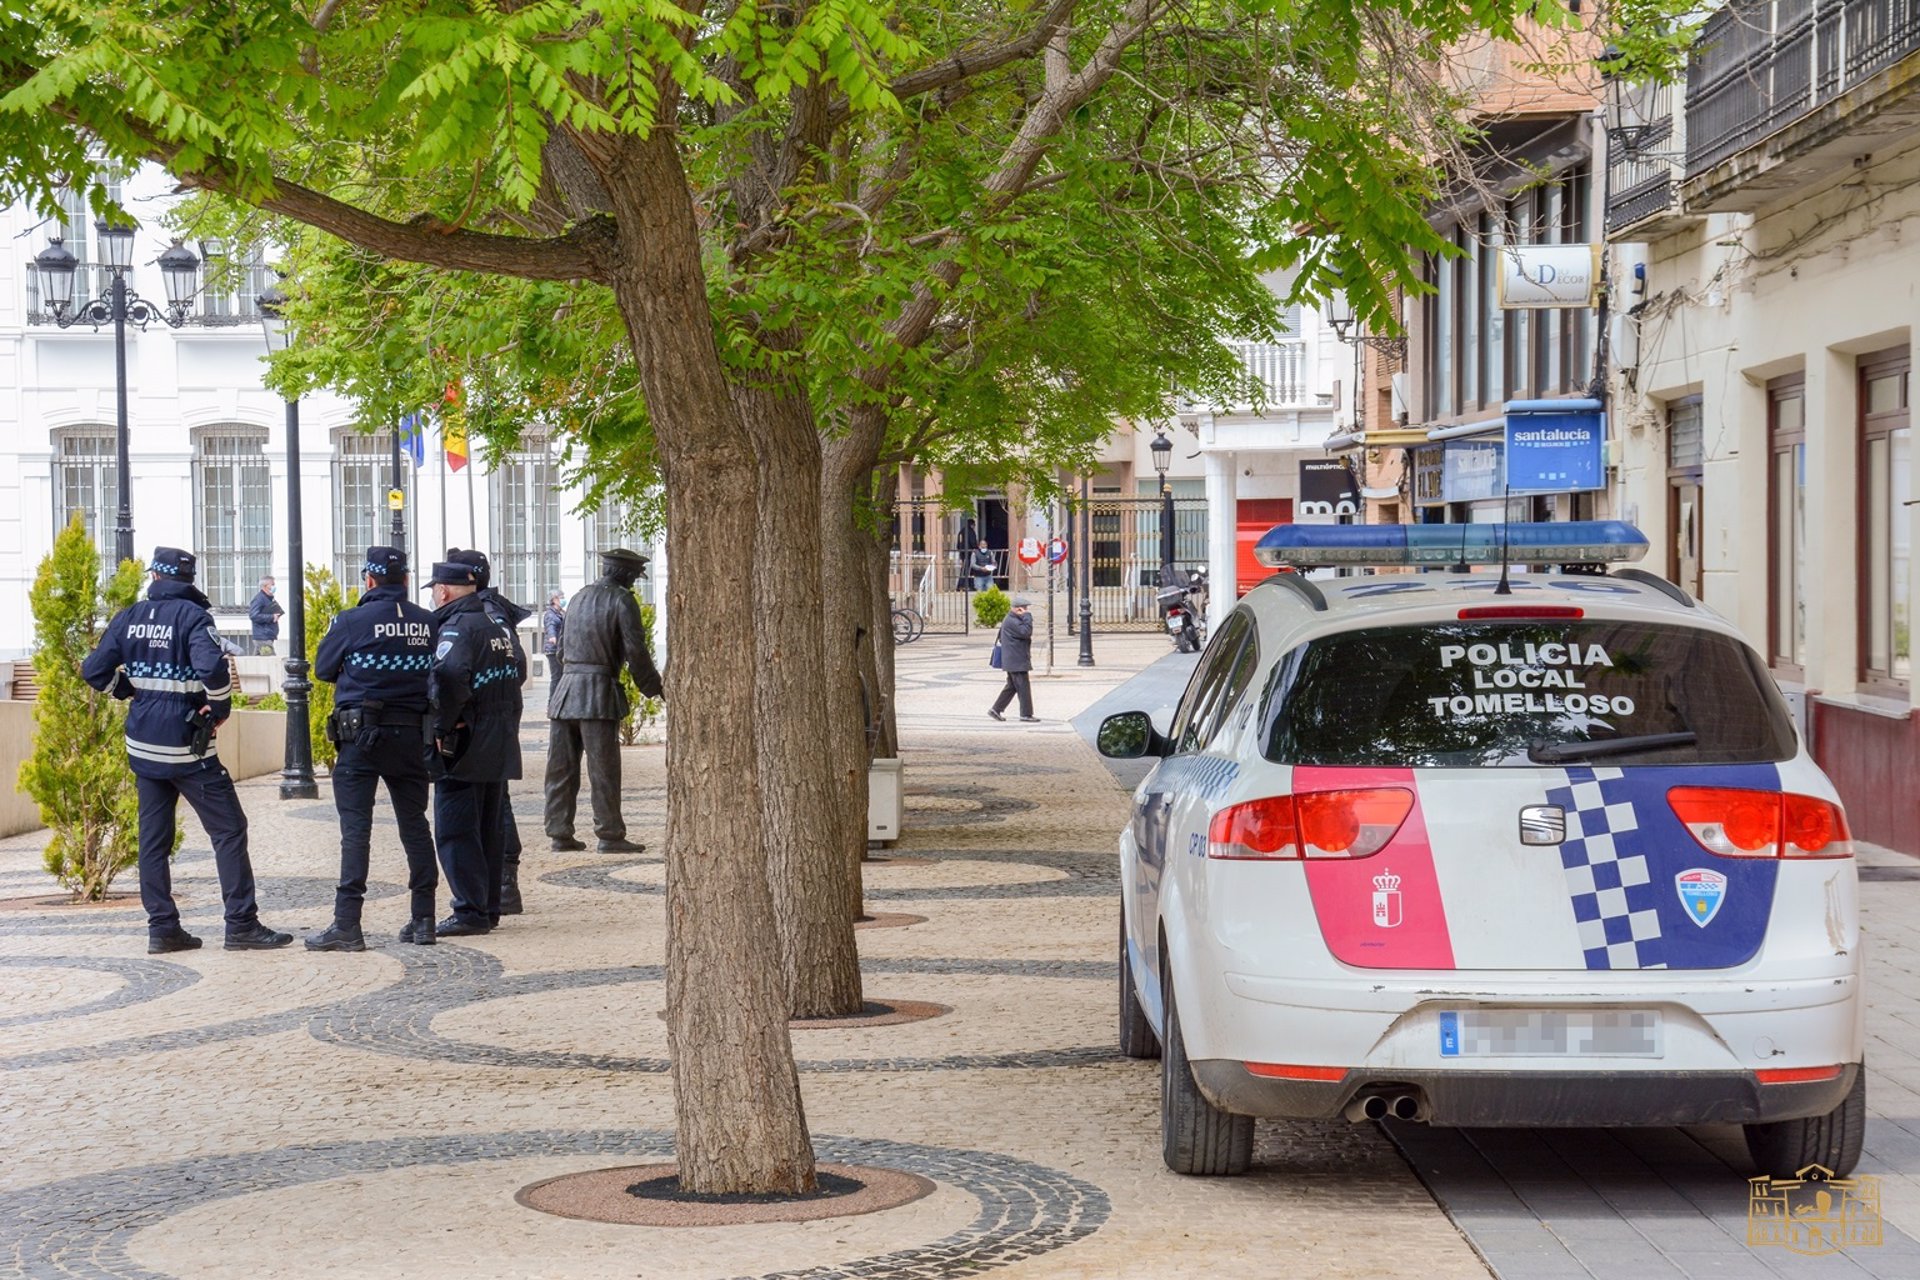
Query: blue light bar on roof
1312 546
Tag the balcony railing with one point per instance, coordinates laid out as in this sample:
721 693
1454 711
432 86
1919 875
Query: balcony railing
1761 64
1640 182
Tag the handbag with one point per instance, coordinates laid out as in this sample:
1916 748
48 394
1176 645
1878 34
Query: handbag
993 659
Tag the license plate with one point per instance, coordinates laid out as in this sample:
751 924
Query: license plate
1174 624
1550 1033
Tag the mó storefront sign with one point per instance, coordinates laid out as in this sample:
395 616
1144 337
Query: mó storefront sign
1546 276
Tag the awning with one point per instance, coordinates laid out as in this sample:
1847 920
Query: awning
1492 425
1386 438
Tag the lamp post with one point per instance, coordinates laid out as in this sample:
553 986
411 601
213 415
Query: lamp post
296 779
179 268
1162 459
1086 574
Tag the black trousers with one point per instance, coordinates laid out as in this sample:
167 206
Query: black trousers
473 836
599 742
210 791
1017 683
396 756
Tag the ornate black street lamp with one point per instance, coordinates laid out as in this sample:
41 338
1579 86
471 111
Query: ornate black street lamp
1162 459
1086 574
296 779
179 268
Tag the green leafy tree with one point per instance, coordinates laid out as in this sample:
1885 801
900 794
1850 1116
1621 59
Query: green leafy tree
325 600
799 217
78 771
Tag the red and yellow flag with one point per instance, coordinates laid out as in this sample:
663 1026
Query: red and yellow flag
453 428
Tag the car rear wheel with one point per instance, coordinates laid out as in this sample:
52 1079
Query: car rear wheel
1136 1033
1781 1148
1196 1137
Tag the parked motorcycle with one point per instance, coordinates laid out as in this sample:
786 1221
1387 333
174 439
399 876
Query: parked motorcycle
1186 612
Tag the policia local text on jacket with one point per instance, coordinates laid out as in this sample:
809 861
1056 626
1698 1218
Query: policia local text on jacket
378 655
162 654
478 667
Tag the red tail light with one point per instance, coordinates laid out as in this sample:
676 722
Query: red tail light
1737 823
1796 1075
1355 823
1522 611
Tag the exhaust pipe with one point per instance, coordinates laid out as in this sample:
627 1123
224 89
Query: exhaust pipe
1371 1107
1406 1107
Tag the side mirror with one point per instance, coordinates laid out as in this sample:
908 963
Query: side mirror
1130 735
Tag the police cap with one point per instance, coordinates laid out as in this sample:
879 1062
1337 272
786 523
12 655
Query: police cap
174 563
477 560
453 574
389 563
621 560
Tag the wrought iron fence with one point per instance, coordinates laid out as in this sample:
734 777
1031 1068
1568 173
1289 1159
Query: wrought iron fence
1760 64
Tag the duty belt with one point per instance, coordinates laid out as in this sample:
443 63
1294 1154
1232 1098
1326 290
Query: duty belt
390 719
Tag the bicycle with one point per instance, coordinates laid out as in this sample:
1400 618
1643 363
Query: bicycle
909 624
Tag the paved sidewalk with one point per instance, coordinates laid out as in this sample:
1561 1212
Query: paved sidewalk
232 1115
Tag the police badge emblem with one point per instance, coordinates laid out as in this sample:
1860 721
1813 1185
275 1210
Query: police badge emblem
1701 892
1386 900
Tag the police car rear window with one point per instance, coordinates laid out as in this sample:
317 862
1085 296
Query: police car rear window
1524 694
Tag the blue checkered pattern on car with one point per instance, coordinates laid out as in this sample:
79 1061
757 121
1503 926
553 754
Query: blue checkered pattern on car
390 661
1615 902
160 671
493 675
1205 776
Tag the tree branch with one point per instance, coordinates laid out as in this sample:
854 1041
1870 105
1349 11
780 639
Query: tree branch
969 63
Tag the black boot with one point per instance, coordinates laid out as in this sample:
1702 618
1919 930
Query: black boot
174 939
622 845
418 931
510 904
338 937
255 937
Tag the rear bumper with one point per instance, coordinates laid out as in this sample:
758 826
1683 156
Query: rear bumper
1532 1099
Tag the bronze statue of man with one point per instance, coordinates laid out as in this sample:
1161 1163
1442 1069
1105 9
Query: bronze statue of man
586 704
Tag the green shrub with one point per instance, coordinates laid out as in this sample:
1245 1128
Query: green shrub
990 607
78 772
325 600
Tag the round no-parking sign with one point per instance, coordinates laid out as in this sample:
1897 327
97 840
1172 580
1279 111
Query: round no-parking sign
1029 551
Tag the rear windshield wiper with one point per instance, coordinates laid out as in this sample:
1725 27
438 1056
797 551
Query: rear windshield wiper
1541 753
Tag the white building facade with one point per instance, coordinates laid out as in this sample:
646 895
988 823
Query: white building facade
208 445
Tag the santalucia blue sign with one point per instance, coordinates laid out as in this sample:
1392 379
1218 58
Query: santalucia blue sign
1555 448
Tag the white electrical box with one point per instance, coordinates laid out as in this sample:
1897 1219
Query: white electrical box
885 807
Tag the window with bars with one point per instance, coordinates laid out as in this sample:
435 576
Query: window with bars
362 474
526 522
1787 521
86 484
233 506
1886 442
613 525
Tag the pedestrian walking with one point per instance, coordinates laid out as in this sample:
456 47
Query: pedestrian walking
161 654
378 656
553 626
1016 659
586 704
264 613
510 615
983 566
478 667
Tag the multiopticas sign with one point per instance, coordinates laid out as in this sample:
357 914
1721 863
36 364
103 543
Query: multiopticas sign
1545 276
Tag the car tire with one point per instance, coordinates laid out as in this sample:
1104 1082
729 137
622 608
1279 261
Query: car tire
1781 1148
1136 1033
1196 1137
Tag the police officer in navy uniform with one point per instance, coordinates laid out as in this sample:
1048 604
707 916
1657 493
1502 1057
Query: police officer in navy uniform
378 655
161 653
478 667
511 615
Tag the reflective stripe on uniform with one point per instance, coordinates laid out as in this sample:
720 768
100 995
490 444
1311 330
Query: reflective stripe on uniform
153 684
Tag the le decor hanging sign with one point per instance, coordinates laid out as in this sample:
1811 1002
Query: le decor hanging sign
1542 277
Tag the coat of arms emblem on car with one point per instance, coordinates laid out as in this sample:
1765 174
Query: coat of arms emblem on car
1386 900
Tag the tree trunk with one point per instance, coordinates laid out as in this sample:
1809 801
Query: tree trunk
875 546
849 624
816 890
736 1092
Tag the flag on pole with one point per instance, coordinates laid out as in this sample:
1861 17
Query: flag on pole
453 428
413 439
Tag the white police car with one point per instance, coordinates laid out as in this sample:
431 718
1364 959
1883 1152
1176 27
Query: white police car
1423 847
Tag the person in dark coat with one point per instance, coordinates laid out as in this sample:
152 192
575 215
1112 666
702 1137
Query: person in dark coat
161 653
377 655
586 703
1016 659
264 613
512 615
553 629
963 547
478 667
